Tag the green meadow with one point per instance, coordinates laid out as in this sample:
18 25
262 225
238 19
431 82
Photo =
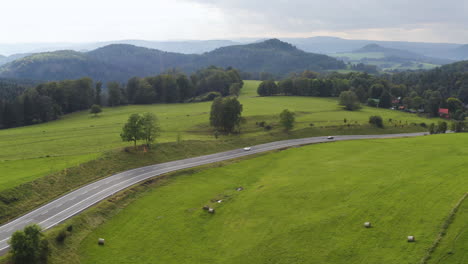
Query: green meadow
34 151
301 205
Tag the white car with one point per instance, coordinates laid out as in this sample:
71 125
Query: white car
247 148
330 137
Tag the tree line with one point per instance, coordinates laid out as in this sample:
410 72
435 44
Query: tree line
380 90
48 101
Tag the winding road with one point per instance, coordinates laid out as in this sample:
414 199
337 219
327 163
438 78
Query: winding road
76 201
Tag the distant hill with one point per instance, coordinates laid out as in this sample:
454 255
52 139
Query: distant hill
120 62
460 53
7 59
329 45
391 59
186 47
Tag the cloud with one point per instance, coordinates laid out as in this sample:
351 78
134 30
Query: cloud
434 17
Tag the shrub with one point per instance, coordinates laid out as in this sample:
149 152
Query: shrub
423 125
60 238
376 121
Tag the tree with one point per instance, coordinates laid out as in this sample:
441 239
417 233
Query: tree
28 246
95 109
349 100
267 88
225 114
454 104
150 127
235 89
287 119
133 129
441 127
114 93
385 100
376 121
97 100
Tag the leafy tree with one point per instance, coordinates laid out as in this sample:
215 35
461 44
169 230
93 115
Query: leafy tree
454 104
385 100
150 127
458 126
441 127
28 246
267 88
287 119
114 93
432 128
235 89
95 109
97 101
226 114
133 129
376 121
349 100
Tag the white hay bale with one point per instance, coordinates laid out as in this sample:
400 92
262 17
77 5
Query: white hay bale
101 241
240 189
211 210
411 239
219 201
367 225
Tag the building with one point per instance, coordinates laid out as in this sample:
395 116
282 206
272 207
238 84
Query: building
444 113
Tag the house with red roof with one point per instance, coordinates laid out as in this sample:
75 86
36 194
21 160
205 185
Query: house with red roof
444 113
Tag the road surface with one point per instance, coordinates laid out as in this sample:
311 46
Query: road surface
76 201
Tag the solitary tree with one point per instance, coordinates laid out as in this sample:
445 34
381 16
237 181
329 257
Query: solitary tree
132 130
349 100
95 109
226 114
28 246
287 119
376 121
150 127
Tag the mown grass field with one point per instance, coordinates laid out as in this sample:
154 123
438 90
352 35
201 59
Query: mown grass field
34 151
302 205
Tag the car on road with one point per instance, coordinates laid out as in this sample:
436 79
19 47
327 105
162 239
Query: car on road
330 137
247 148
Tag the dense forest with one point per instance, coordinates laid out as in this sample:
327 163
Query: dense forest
48 101
122 62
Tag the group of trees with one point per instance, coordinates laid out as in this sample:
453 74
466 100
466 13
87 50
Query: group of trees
47 102
141 127
409 90
21 106
175 87
29 246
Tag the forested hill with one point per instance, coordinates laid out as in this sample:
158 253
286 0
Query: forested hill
120 62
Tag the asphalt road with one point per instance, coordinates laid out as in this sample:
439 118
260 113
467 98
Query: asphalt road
76 201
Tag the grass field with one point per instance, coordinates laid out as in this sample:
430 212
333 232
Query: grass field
80 137
302 205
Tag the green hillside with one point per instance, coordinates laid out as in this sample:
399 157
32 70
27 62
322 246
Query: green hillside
303 205
32 151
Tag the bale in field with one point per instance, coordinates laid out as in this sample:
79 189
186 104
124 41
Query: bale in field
367 225
411 239
211 210
239 189
206 207
101 241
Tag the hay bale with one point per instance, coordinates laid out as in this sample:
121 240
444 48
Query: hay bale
239 189
411 239
206 207
367 225
219 201
101 241
211 210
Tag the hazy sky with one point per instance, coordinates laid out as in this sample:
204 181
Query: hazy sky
102 20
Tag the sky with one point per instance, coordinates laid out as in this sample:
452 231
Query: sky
25 21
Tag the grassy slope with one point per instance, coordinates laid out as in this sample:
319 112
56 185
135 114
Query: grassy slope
454 246
80 137
303 205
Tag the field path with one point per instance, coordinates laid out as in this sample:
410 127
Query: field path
76 201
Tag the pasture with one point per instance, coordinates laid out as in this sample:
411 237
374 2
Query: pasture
34 151
301 205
